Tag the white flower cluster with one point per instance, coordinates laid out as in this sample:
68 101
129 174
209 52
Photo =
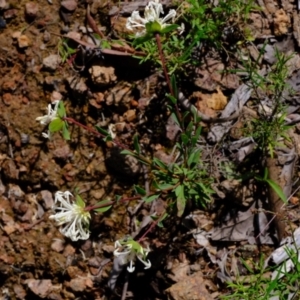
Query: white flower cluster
51 115
151 14
72 215
282 255
129 249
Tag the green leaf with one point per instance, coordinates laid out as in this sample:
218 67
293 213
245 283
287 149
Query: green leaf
175 119
61 110
164 186
136 144
104 208
184 138
160 224
278 190
153 27
56 125
181 201
151 198
79 201
128 152
169 28
194 158
139 190
160 163
141 40
65 132
172 98
101 130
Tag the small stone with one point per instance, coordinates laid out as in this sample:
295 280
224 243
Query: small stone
47 199
58 245
23 41
10 170
10 13
102 75
31 9
51 62
69 5
130 115
56 96
74 35
78 284
19 291
40 288
16 34
69 251
3 4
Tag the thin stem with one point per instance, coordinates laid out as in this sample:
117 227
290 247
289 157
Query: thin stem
164 67
93 131
163 62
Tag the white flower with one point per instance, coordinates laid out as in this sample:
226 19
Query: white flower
130 249
151 14
72 215
52 113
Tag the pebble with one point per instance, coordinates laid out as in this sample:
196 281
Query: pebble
51 62
40 288
19 291
47 199
56 96
102 75
3 4
23 41
130 115
58 245
69 5
31 9
80 284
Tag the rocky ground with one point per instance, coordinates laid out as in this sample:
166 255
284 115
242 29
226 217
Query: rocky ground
111 87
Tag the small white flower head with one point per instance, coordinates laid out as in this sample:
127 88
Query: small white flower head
112 130
51 115
72 215
130 249
151 17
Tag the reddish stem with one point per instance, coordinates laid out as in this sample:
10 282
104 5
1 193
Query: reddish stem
164 67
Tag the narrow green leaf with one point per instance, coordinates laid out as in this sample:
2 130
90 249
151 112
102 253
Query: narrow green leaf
184 138
160 163
175 119
65 132
151 198
103 209
136 144
139 190
101 130
172 98
165 186
127 152
278 190
79 201
194 158
61 109
56 125
142 39
169 28
181 201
